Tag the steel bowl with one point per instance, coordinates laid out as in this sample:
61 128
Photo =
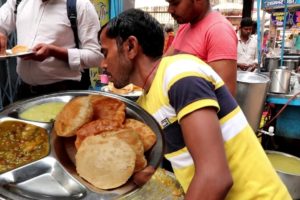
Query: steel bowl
55 176
291 180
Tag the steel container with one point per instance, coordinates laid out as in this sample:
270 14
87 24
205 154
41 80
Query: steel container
280 81
271 63
251 94
291 64
291 181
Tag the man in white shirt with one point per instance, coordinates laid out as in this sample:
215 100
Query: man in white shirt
44 27
247 46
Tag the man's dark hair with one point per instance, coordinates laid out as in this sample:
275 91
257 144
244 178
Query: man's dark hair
135 22
247 21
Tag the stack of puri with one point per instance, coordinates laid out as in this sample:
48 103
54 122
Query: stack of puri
110 147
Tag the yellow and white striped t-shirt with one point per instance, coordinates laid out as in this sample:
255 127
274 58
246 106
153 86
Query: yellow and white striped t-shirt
183 84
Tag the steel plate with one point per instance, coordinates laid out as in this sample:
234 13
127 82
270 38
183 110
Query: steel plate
55 176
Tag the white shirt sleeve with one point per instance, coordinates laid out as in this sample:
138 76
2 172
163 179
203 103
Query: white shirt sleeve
7 17
88 54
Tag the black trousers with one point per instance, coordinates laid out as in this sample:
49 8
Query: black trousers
26 91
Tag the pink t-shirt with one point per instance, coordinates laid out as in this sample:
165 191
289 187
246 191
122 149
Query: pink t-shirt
213 38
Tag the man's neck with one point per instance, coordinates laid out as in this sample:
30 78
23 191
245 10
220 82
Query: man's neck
244 38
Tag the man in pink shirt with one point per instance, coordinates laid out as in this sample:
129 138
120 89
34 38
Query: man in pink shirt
206 34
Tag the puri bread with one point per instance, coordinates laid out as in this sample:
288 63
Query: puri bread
95 127
105 162
19 49
74 114
132 138
108 108
147 136
125 90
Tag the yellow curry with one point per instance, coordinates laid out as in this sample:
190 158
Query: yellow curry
21 143
44 112
284 163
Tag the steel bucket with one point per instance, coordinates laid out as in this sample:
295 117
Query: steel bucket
291 64
251 94
271 63
280 79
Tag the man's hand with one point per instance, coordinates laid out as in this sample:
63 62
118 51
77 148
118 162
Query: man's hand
41 52
246 67
243 67
251 68
3 44
141 177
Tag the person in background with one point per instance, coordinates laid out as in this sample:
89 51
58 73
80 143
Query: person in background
247 46
213 150
206 34
169 36
297 42
44 27
289 42
265 41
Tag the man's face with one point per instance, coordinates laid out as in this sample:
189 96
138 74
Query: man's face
182 10
246 31
115 61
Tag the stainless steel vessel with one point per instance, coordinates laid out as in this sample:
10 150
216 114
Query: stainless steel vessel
291 64
251 94
271 63
291 181
54 176
280 81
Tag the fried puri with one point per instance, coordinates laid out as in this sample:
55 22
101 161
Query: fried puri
19 49
94 128
108 108
147 136
73 115
133 139
105 162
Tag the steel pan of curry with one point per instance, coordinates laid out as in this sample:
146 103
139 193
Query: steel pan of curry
54 176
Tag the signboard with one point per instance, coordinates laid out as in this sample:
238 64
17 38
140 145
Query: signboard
102 8
292 18
274 4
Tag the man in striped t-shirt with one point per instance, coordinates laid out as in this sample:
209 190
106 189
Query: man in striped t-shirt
213 151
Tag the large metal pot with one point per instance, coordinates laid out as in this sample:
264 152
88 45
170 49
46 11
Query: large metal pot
280 79
270 63
251 94
291 179
291 64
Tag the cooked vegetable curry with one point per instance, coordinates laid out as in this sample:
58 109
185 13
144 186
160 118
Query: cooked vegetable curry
21 143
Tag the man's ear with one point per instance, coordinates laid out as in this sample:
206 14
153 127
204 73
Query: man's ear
132 46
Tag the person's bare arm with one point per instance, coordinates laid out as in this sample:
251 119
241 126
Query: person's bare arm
227 70
203 138
3 43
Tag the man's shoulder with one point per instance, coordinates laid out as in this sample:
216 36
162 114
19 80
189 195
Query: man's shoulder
214 22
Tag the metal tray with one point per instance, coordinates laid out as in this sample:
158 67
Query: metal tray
55 176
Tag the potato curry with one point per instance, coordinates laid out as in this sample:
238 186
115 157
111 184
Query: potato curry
21 143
